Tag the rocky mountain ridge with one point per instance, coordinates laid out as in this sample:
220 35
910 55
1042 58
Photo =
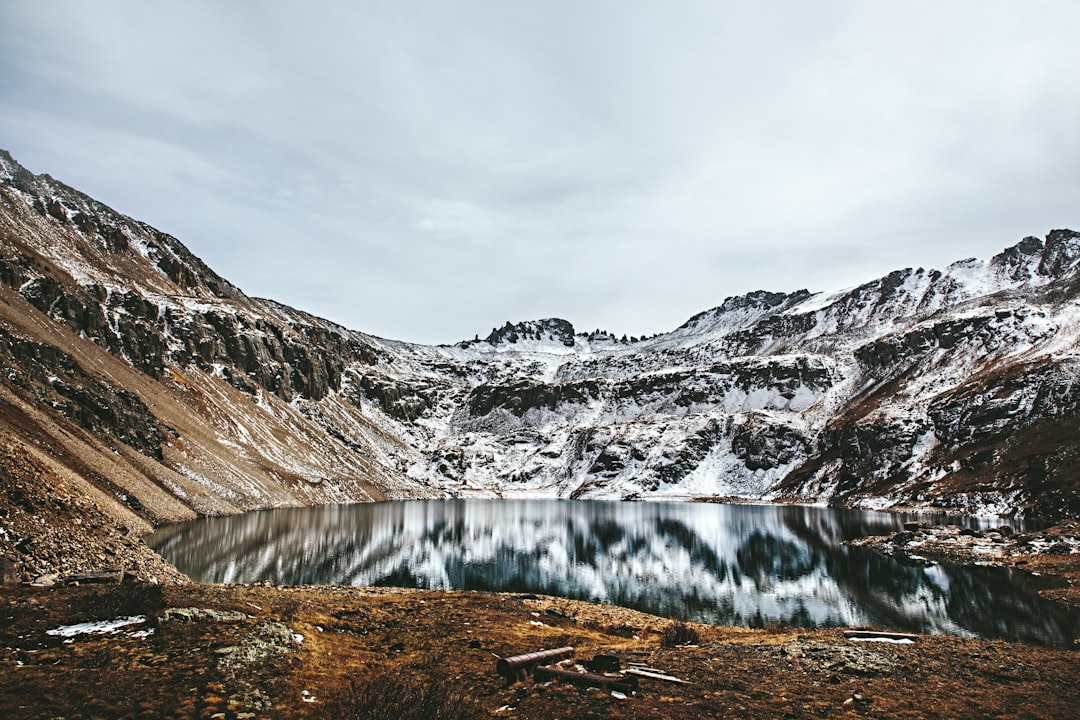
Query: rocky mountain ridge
950 388
146 381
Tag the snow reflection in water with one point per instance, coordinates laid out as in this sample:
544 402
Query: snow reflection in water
731 564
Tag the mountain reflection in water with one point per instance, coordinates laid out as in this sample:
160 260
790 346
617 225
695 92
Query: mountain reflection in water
726 564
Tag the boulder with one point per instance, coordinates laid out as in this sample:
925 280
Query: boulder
9 570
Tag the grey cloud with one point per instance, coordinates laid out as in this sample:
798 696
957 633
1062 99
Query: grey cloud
426 170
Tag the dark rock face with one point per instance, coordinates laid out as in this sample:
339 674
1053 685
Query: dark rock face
766 446
990 409
521 396
124 323
1060 253
774 328
983 335
55 378
405 401
252 349
552 330
680 460
871 455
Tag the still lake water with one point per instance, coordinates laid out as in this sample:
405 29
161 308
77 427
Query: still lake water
748 565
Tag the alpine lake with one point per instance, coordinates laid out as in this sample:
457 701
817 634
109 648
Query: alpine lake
729 564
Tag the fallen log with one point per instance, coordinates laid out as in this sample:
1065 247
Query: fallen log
544 673
511 667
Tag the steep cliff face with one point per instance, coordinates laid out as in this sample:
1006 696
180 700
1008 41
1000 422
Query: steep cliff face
156 386
164 390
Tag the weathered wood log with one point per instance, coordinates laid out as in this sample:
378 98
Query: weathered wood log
510 667
656 676
545 673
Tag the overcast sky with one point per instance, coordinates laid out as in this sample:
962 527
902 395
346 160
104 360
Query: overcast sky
427 170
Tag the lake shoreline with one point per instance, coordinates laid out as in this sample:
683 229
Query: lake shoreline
1052 553
410 640
720 564
237 656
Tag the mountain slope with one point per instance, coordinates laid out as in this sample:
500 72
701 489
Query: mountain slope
162 391
159 389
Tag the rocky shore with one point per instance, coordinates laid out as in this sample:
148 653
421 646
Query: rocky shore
50 529
1053 551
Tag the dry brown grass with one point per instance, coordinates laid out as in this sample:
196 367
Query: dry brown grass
679 633
396 652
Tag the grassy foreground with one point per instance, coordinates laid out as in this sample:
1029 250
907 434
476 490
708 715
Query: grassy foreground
329 652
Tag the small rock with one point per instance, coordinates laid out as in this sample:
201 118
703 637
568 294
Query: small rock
602 663
194 614
857 699
833 658
1005 530
971 532
44 581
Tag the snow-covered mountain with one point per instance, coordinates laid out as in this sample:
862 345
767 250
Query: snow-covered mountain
952 387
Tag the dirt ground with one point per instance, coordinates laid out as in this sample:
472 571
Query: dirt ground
209 651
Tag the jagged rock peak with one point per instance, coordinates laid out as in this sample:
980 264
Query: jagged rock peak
1061 252
9 169
742 308
1032 256
548 330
